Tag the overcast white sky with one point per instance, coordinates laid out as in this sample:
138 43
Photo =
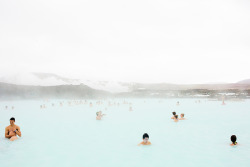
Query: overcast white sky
188 41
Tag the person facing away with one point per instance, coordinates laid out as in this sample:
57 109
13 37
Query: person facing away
98 116
233 139
145 141
182 117
174 113
12 130
176 118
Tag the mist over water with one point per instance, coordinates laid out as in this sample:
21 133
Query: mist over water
69 135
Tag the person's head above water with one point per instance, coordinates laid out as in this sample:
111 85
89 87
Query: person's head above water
176 116
174 113
145 141
145 138
233 139
182 115
97 113
12 120
145 135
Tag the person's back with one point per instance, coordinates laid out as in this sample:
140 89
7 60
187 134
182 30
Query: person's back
176 118
98 116
233 139
174 113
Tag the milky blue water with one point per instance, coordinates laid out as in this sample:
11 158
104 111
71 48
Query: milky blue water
71 136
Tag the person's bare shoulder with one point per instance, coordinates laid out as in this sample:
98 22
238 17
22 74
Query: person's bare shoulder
7 127
17 127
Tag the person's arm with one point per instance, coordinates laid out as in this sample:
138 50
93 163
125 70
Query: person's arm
7 133
18 131
139 144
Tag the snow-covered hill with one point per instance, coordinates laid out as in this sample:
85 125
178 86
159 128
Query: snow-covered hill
111 86
246 81
48 79
37 79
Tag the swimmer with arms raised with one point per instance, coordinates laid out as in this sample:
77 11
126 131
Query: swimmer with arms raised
100 112
145 141
12 130
233 139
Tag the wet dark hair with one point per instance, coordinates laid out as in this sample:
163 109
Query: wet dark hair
145 135
176 116
12 118
233 139
174 113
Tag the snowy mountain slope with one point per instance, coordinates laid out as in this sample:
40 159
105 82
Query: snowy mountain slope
246 81
48 79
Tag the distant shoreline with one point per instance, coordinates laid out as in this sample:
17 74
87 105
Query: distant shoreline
232 92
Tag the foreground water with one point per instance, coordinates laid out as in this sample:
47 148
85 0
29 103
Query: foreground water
70 135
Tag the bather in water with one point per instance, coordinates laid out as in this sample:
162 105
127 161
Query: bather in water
12 130
174 113
233 139
176 118
98 116
182 117
145 141
100 112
